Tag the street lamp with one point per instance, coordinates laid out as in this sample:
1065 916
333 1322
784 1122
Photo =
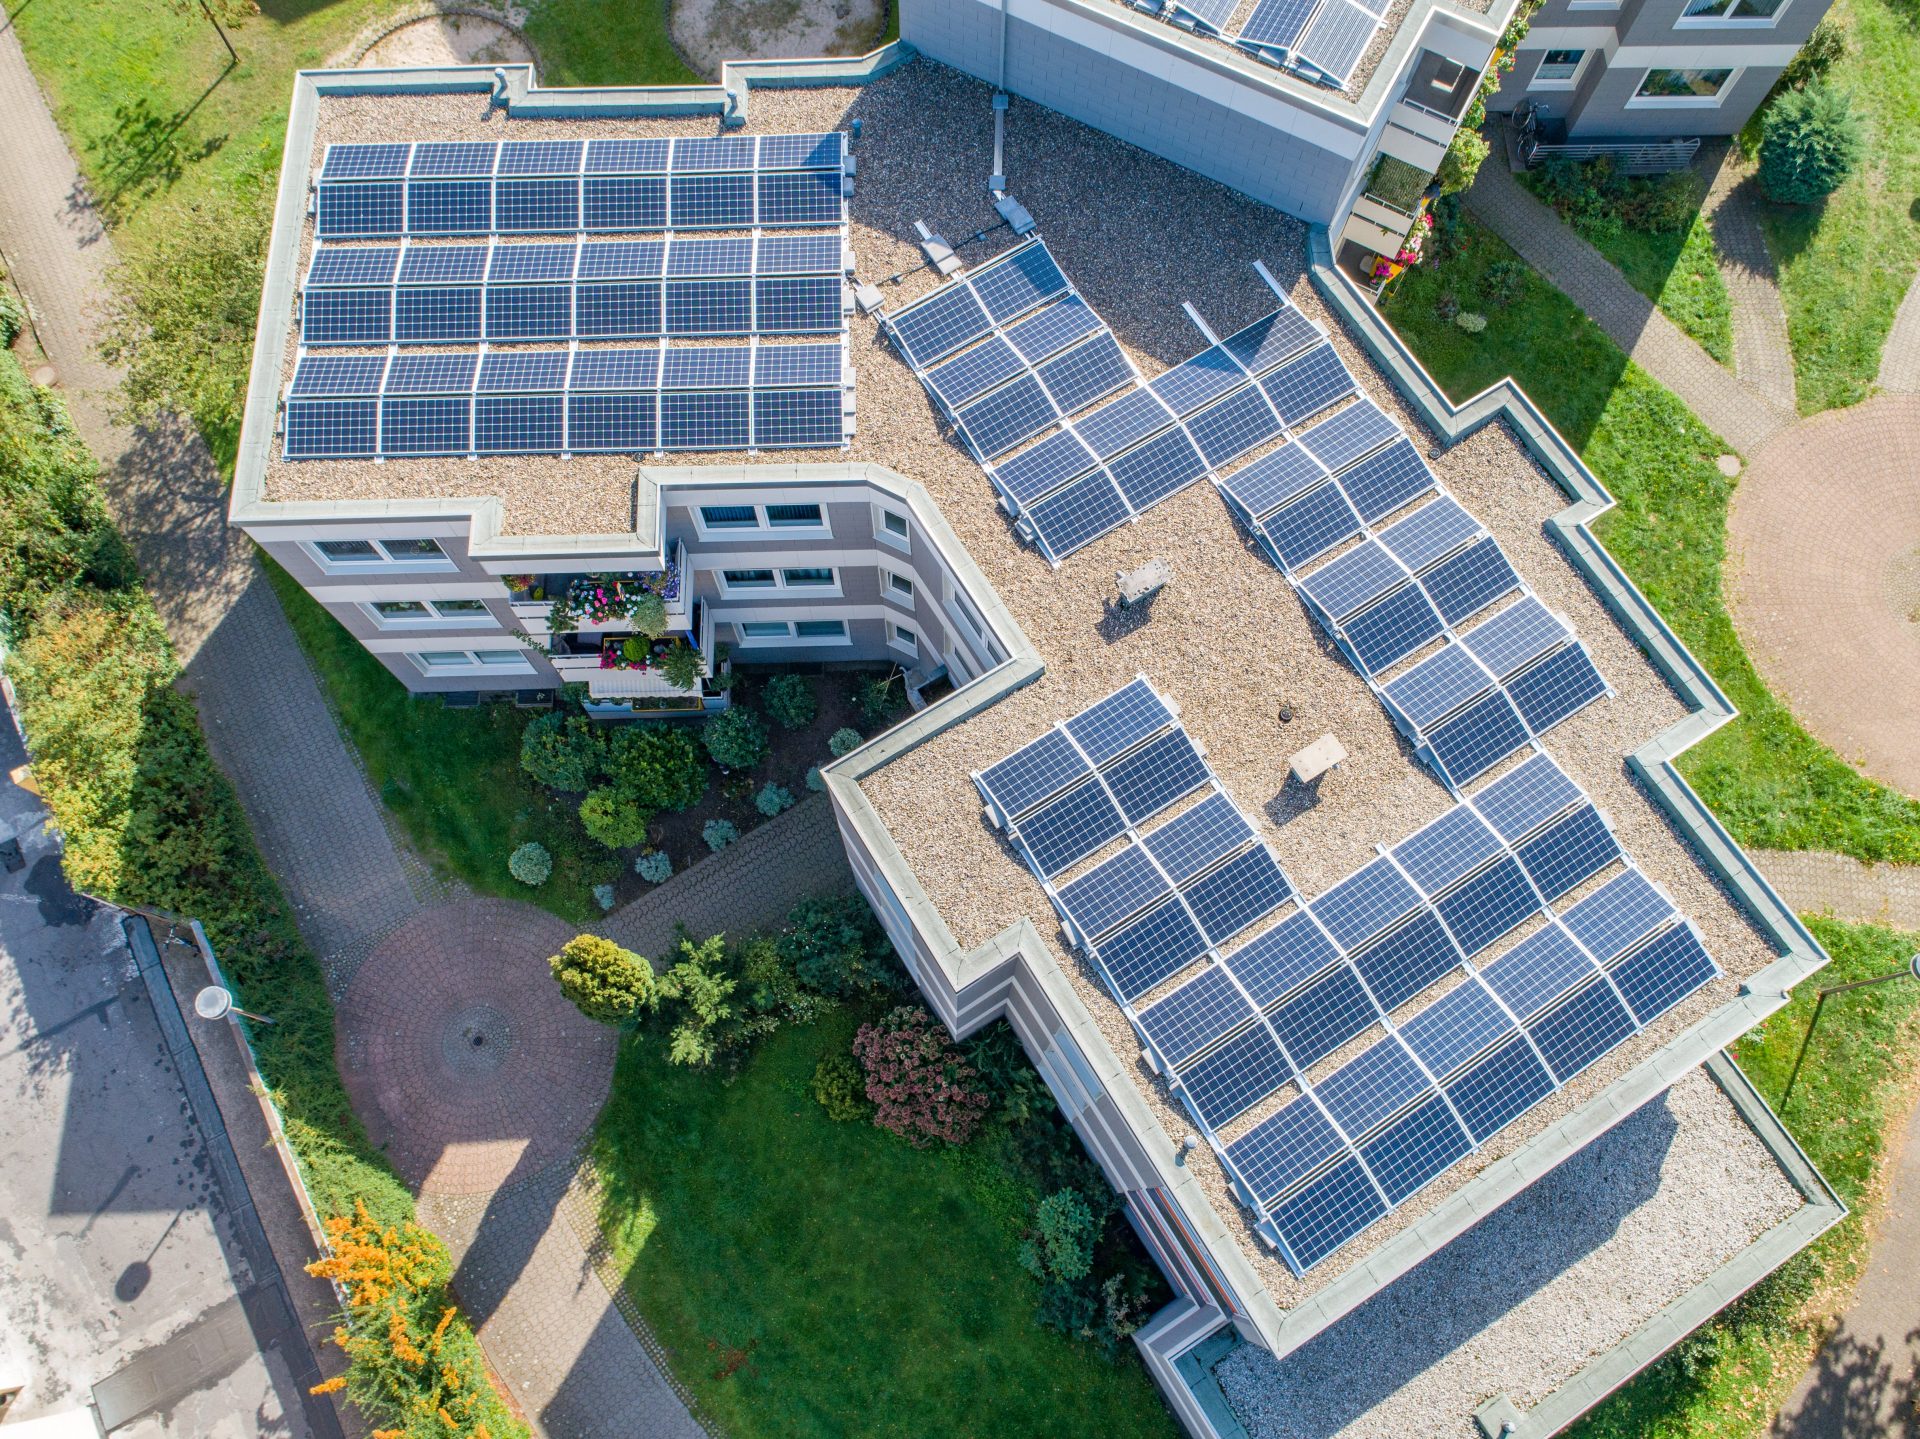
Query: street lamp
213 1002
1912 971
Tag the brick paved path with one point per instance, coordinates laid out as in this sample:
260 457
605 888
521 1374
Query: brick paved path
1762 355
1740 413
1900 360
1823 579
1840 885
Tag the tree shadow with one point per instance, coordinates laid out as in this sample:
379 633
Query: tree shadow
1857 1391
145 151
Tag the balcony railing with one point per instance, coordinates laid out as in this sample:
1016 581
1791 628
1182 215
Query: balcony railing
533 613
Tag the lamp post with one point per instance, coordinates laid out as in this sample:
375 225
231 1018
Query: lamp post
213 1002
1912 971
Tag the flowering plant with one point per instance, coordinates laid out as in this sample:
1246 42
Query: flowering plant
630 654
1415 242
920 1086
602 598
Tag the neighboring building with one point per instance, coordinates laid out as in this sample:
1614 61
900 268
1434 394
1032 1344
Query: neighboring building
1413 1265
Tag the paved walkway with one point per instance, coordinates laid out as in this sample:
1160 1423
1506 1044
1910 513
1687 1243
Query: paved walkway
1840 885
1900 360
1742 414
1762 355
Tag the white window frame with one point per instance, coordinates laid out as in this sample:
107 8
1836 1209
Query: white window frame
1724 21
890 579
789 634
881 514
1569 81
779 584
901 638
432 618
1684 102
1593 4
384 562
762 527
473 665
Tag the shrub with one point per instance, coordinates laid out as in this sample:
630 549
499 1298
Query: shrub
649 615
1446 307
771 987
1462 161
1470 321
816 782
773 799
840 1088
879 697
611 816
13 319
531 863
698 995
1810 142
563 751
1399 184
921 1087
413 1365
844 740
657 767
603 896
1504 282
719 833
655 866
791 702
736 738
1825 48
836 947
606 983
681 665
1065 1230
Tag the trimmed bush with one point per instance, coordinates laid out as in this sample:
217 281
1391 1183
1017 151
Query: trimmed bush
531 863
844 740
657 767
836 947
603 896
921 1087
719 833
816 782
611 816
791 701
773 800
1810 142
606 983
655 866
649 615
563 751
735 738
840 1088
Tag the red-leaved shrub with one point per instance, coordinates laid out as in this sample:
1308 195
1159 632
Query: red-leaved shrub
920 1087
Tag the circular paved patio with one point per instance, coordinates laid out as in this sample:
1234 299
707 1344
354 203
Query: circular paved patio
1824 579
463 1060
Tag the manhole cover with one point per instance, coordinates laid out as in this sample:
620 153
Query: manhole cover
475 1040
1903 586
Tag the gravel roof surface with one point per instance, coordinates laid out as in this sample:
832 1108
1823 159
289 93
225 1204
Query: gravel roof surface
1227 640
1556 1276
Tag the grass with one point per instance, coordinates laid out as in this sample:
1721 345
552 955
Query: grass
1728 1381
1771 783
1844 265
812 1278
606 42
452 777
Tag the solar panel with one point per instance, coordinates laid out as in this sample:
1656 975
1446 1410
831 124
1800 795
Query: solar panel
805 199
1226 431
1032 773
536 206
798 418
800 255
1455 1027
708 307
710 255
1327 1211
801 152
710 202
1436 687
417 374
1302 388
1122 423
612 423
338 375
725 152
541 157
1537 971
1195 382
1617 915
449 207
1050 330
615 370
352 265
435 314
975 371
1015 284
1430 533
1192 841
1272 339
1195 1015
1477 738
1119 722
331 429
1233 1078
346 317
519 424
443 265
454 157
350 211
1468 582
1336 38
531 262
1522 632
1569 851
809 305
1579 1030
1001 419
529 312
628 310
1277 23
1228 899
364 162
1364 903
1151 778
777 365
1406 960
1659 975
523 370
1272 480
1387 480
1390 629
614 203
1078 377
1163 466
1488 905
1067 829
627 157
936 327
705 420
1345 437
1283 1149
1308 527
1214 14
1372 1087
1278 961
1355 579
1439 854
1150 949
1415 1149
1045 467
425 427
1499 1088
1076 515
1520 801
1556 687
1117 888
702 367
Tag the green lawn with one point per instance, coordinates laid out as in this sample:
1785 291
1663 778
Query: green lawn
819 1279
1772 783
452 777
1845 265
1728 1381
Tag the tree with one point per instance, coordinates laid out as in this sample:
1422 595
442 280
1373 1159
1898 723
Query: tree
606 983
657 767
736 738
563 751
1810 142
702 994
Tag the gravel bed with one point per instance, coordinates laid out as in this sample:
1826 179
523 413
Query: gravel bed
1520 1303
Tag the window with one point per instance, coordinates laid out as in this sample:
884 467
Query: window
348 551
730 517
412 549
815 581
740 518
748 579
816 632
893 529
764 629
902 638
448 609
453 662
401 610
820 629
417 612
410 554
1763 11
898 588
794 516
1558 67
810 579
1682 87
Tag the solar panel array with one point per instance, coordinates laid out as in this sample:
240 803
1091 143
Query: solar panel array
1323 40
1420 598
574 290
527 401
732 182
1266 1038
1075 441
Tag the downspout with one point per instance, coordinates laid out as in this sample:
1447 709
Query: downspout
998 183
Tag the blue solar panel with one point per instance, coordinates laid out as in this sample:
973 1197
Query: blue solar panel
1430 533
541 157
1233 1078
706 367
454 157
1388 631
1226 431
1569 851
710 256
1526 797
1578 1031
1014 285
1358 577
936 327
1343 438
1308 527
549 207
708 307
1365 902
444 265
1163 466
364 162
1659 975
1476 739
1045 467
1194 382
800 255
1191 841
615 370
347 211
1069 828
449 207
352 265
1556 688
1271 339
817 365
1521 632
531 262
1323 1016
620 424
1274 964
1470 581
621 259
1033 772
1153 777
431 374
1121 423
1154 947
1617 915
1415 1149
999 420
800 152
1242 890
703 420
338 375
1076 515
425 427
1488 905
1537 971
795 418
1117 723
1214 14
1117 888
1049 331
346 317
1284 1148
519 424
1372 1087
710 202
1499 1088
1454 1028
1277 23
529 312
1302 388
318 429
628 310
724 152
1273 479
813 198
627 157
435 314
1326 1212
1078 377
974 372
1195 1015
614 203
523 370
1336 38
1437 686
1406 959
1454 845
1386 480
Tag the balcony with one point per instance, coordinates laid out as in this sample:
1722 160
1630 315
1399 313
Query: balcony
617 685
534 613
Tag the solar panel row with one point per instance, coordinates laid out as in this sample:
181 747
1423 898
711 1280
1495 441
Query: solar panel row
392 161
1323 39
678 256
